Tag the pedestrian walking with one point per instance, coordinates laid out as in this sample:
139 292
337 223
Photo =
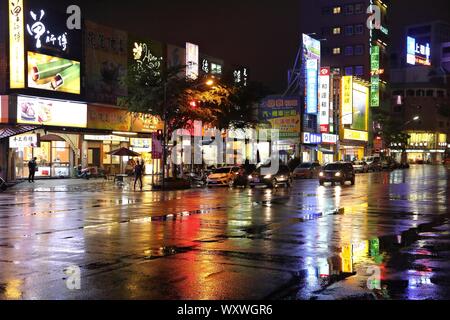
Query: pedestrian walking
138 172
32 167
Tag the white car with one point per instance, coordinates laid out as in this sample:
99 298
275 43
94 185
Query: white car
361 167
223 177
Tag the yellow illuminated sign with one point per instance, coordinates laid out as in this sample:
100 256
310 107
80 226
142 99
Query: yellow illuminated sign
347 100
356 135
16 44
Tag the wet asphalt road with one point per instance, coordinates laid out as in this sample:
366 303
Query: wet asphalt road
307 242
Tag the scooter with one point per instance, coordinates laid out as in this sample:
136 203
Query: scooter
3 185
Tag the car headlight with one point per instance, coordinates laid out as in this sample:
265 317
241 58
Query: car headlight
268 176
321 174
250 177
338 174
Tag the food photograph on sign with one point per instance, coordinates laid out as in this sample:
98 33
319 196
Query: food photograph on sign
51 112
53 73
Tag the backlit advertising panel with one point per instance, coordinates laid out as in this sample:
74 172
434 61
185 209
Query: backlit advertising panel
53 52
418 52
311 48
347 100
360 107
16 44
53 73
192 61
312 95
324 100
51 112
375 78
283 114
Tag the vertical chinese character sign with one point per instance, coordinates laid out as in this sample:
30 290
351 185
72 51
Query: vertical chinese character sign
17 44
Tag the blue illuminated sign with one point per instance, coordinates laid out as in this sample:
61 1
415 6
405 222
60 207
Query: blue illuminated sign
312 138
312 86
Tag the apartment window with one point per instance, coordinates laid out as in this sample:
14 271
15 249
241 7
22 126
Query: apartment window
359 70
326 31
349 30
359 29
336 50
337 30
440 93
359 8
348 71
348 50
359 50
349 9
410 93
430 93
337 10
420 93
326 10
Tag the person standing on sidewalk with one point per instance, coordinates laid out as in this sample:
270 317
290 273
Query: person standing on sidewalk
32 167
138 172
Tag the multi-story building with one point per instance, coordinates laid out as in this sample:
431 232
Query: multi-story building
421 91
59 92
353 45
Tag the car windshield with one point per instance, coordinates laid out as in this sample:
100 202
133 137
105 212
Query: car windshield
305 166
334 167
222 171
358 163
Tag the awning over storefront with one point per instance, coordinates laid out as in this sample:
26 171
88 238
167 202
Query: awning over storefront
11 131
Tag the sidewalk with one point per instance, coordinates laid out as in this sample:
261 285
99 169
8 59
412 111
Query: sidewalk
80 185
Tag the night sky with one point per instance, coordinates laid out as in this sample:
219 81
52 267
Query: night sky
263 34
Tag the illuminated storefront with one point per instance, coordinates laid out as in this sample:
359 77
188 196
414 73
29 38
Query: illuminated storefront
423 147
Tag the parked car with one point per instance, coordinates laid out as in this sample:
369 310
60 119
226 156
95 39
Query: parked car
307 171
360 167
3 185
374 163
339 172
282 177
388 164
222 177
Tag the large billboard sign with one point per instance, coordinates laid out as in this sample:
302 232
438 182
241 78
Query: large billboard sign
146 54
418 52
106 63
311 48
360 107
312 83
311 65
45 53
324 99
283 114
51 112
192 61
